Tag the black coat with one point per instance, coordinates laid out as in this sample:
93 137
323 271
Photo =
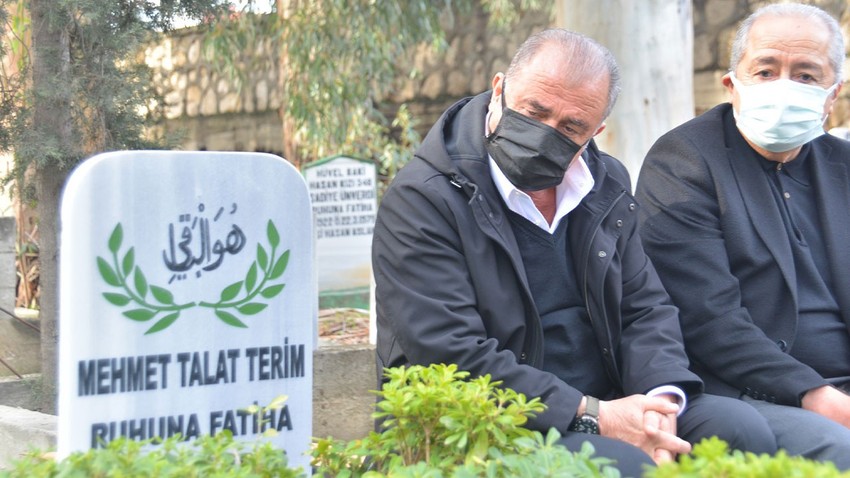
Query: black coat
715 234
450 284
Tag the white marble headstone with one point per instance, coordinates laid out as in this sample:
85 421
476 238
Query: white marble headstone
187 294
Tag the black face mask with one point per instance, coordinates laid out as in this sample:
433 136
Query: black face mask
532 155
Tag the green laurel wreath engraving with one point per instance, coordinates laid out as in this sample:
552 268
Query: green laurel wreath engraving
267 267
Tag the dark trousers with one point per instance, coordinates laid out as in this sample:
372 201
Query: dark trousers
804 433
734 421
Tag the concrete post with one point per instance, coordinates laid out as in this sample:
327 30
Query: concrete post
8 275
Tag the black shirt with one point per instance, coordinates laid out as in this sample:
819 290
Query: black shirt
822 340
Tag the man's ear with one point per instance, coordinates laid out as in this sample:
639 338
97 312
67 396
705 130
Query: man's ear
496 84
834 97
726 81
601 128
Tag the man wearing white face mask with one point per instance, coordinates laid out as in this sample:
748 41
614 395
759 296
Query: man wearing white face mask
745 216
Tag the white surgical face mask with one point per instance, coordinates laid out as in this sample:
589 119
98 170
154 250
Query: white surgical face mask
780 115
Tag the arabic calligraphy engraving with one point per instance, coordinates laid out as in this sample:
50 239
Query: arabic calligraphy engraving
182 256
160 304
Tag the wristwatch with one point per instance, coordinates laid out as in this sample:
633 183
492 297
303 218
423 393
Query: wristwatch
589 421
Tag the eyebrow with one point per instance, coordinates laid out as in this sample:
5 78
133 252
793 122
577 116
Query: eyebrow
765 61
539 106
771 61
808 65
546 110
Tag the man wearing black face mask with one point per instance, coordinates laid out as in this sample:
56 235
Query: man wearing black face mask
509 247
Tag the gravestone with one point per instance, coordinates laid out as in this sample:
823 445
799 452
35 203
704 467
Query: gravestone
20 344
187 295
344 198
8 257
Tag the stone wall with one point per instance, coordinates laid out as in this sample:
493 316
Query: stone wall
214 115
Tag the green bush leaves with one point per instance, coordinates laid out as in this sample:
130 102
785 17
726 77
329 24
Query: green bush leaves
437 422
219 456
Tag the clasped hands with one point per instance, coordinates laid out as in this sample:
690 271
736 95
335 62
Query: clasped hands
648 423
829 402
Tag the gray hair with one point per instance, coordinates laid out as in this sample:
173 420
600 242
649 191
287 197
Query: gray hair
585 56
836 46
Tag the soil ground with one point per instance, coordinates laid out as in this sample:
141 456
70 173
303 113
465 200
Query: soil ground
344 326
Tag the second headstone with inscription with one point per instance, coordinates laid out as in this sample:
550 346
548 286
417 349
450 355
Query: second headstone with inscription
344 197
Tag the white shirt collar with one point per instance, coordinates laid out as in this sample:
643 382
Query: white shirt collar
577 182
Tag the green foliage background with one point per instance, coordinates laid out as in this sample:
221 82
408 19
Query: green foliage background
339 60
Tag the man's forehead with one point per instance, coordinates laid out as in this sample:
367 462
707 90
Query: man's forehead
801 40
794 32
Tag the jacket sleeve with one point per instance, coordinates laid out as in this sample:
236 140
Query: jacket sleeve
682 231
430 309
651 350
652 347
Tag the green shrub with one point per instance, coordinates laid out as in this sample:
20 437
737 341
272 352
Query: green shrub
711 458
437 423
215 457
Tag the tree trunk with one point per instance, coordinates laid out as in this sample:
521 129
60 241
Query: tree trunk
49 185
653 43
52 124
290 149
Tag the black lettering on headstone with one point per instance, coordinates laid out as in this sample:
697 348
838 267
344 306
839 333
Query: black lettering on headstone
138 431
251 353
103 376
233 354
119 370
183 357
122 374
86 372
277 356
215 421
99 435
283 420
263 363
297 358
193 430
175 425
164 360
135 374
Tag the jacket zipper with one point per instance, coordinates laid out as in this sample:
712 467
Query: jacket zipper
613 374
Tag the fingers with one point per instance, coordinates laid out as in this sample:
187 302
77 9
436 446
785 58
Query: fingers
659 428
661 405
660 456
660 421
648 423
660 439
653 421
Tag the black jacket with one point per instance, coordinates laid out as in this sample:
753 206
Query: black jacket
715 233
450 284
